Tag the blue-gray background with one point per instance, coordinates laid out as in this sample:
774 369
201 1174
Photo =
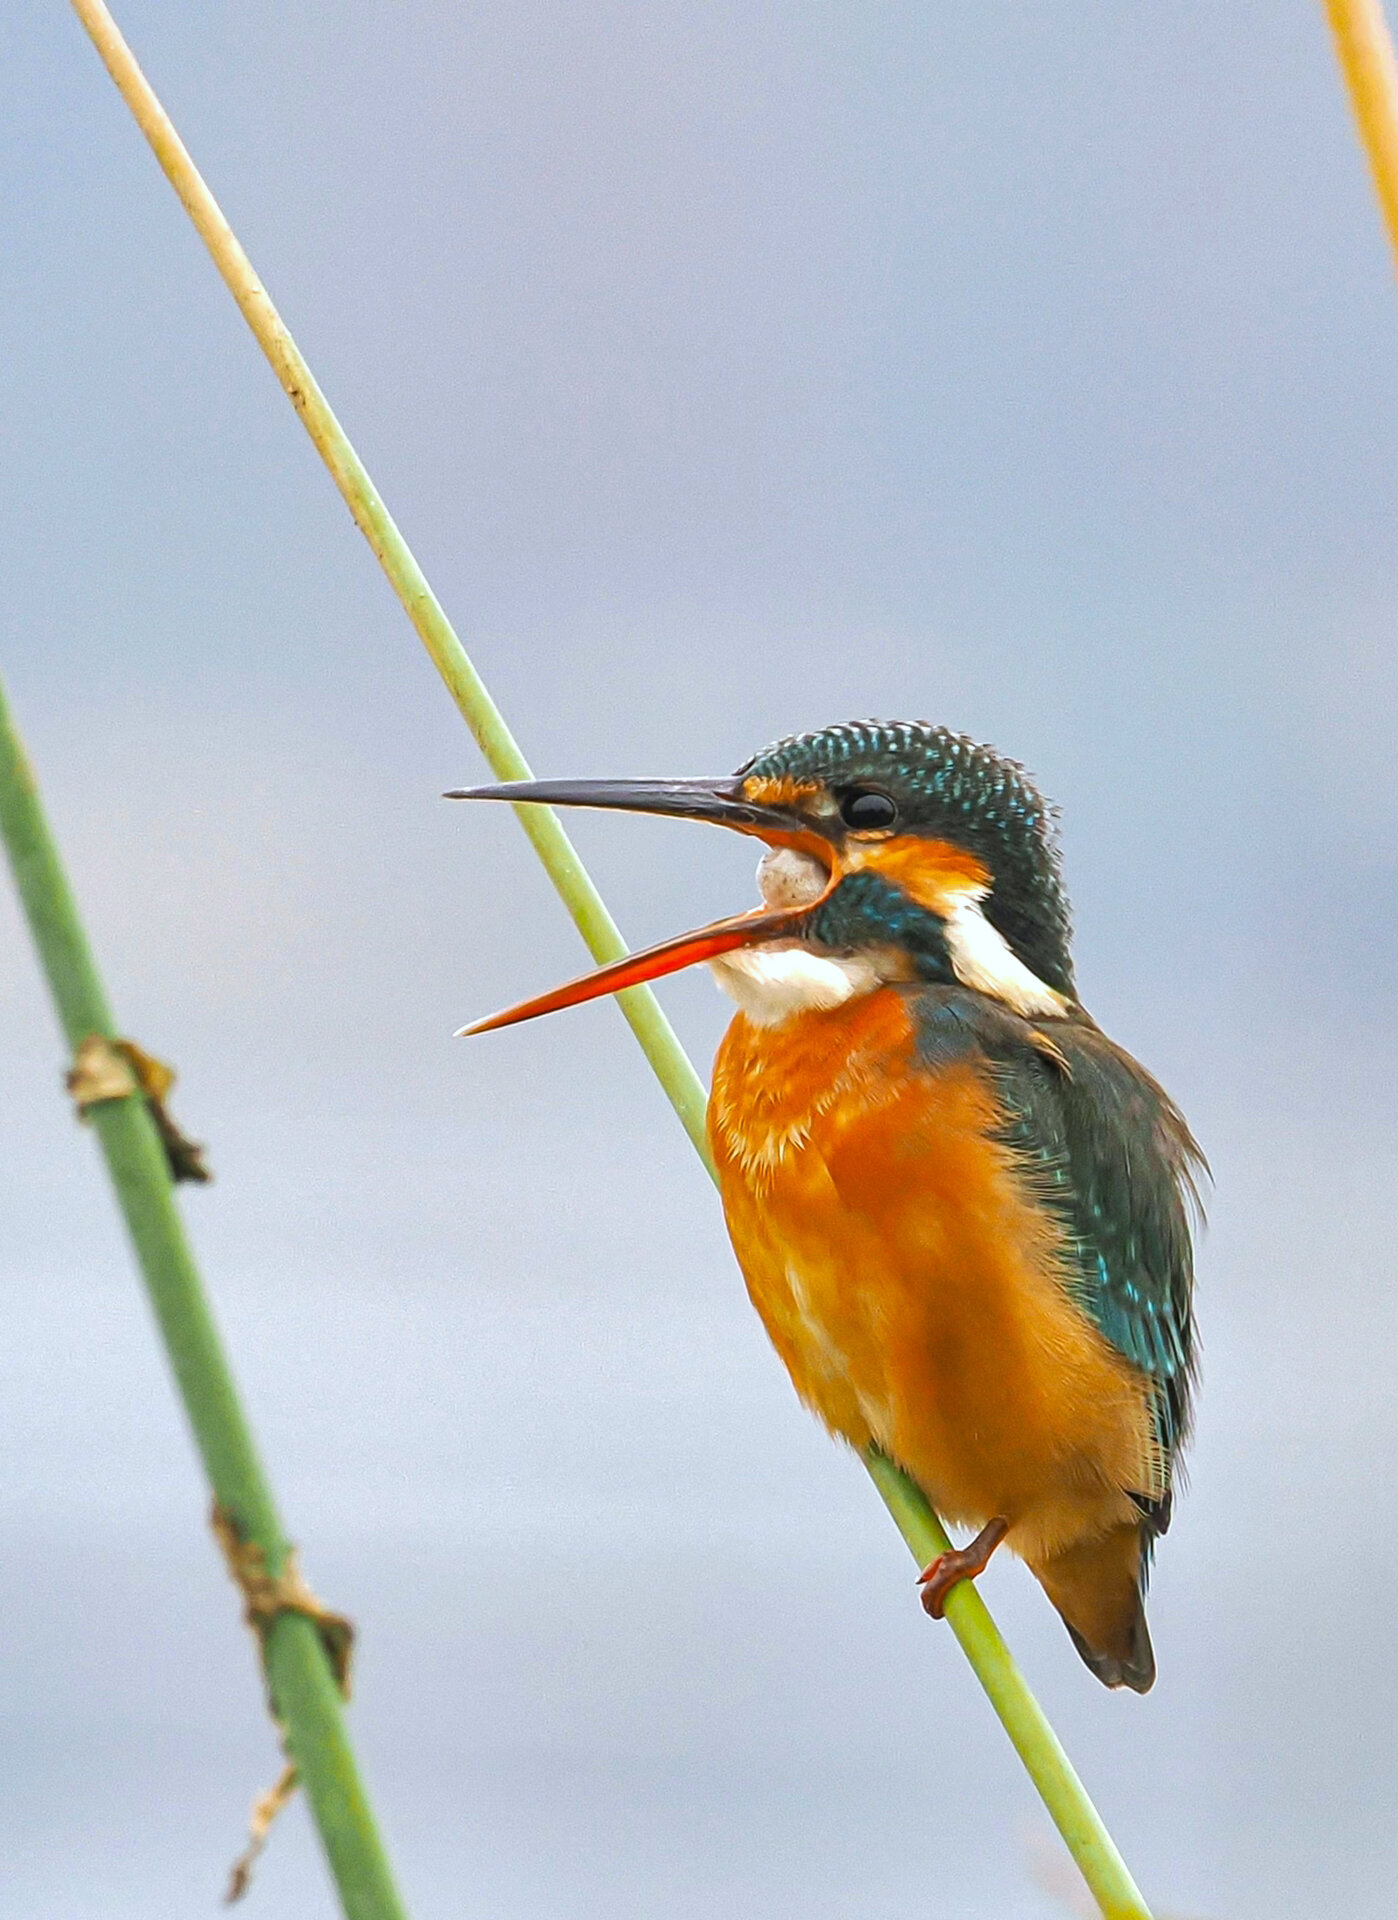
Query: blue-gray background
733 368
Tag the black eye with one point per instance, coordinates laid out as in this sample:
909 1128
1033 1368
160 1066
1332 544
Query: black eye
866 810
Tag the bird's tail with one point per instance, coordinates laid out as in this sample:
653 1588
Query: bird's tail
1097 1589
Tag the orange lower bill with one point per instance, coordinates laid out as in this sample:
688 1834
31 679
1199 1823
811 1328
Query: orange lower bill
743 930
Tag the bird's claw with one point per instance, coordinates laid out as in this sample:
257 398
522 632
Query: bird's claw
957 1564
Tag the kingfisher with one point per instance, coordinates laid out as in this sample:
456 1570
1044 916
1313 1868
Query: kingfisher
963 1214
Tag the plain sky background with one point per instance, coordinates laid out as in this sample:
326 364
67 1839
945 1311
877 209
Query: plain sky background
734 368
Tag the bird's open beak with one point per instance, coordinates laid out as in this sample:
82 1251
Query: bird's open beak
719 801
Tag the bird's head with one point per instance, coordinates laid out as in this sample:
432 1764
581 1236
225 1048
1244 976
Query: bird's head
895 851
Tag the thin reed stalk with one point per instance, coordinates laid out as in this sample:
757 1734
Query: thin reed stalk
1364 48
1062 1792
299 1675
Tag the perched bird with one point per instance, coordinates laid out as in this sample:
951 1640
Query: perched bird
962 1212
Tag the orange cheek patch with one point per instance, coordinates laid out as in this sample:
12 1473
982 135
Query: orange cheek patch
779 792
791 794
932 872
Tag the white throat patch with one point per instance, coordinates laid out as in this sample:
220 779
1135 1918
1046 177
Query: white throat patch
771 984
983 959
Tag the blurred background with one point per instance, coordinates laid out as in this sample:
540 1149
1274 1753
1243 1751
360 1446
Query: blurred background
733 369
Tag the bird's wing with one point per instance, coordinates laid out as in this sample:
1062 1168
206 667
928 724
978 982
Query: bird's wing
1105 1147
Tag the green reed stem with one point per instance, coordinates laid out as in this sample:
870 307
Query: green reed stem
302 1684
1063 1793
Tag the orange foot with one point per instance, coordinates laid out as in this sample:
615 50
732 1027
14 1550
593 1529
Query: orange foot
959 1563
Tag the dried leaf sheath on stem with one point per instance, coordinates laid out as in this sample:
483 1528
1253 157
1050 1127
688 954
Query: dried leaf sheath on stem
299 1675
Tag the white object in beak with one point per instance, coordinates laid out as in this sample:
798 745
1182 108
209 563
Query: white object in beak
787 877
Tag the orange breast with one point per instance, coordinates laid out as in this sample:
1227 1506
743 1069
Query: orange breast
908 1281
